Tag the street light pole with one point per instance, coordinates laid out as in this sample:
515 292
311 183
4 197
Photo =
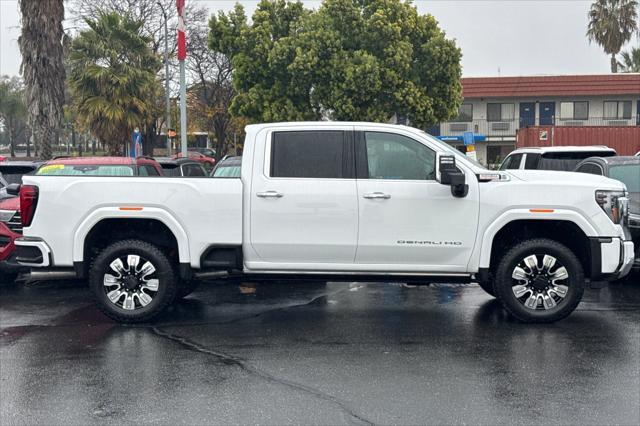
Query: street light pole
166 79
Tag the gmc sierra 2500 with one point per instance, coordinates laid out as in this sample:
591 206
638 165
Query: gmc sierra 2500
332 199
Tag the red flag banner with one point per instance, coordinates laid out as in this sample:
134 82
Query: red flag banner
182 38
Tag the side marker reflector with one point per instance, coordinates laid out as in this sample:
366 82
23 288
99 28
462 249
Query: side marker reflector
541 210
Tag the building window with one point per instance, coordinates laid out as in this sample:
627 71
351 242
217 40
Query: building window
500 112
574 110
617 109
465 114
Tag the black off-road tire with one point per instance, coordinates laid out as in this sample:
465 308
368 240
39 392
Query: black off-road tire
503 281
487 286
165 273
187 287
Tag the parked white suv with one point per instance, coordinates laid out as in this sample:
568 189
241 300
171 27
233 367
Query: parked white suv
558 158
333 200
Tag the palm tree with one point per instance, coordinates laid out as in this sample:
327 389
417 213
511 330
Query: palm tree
611 25
42 68
112 78
630 60
12 109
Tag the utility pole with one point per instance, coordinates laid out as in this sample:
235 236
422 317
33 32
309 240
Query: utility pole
182 55
166 79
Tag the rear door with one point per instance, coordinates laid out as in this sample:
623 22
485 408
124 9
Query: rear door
408 221
304 205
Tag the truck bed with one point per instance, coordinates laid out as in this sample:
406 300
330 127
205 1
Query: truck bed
211 207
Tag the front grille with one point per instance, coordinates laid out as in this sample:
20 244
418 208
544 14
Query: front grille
15 224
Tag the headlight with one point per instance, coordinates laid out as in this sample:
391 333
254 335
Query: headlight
614 204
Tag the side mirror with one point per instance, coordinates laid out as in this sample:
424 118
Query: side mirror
13 189
449 174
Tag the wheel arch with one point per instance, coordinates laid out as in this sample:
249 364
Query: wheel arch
153 225
572 233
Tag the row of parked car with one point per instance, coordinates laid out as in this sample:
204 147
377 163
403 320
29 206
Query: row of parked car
197 165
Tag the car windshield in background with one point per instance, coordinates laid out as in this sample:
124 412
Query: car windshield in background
227 172
565 161
629 174
13 174
85 170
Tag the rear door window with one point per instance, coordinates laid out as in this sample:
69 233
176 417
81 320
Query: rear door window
308 154
566 161
531 161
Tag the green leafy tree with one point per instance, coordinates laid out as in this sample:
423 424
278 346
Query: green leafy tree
350 60
630 60
13 110
42 69
612 24
113 79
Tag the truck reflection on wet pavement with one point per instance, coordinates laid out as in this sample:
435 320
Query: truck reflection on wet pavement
282 353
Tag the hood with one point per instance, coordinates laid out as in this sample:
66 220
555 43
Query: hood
583 179
10 204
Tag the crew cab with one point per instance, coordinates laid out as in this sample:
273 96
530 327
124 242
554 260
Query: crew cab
338 201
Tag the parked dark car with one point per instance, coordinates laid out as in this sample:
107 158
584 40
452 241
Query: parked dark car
626 170
228 167
181 167
12 171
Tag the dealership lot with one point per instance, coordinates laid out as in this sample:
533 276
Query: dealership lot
304 353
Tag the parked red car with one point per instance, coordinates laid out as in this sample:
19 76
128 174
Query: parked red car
205 160
10 219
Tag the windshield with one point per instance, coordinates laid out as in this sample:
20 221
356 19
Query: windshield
85 170
227 171
452 149
629 174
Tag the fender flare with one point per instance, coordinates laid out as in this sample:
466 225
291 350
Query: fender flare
525 214
112 212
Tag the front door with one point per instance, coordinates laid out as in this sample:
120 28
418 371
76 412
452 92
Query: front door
527 114
547 113
303 202
408 221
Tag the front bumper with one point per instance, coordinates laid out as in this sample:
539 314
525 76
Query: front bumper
611 258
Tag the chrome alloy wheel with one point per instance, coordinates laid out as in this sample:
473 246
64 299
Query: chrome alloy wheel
129 282
540 282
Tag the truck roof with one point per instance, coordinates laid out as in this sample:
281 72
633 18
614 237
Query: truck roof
317 124
568 148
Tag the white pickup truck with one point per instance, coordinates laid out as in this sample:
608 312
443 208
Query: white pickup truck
339 201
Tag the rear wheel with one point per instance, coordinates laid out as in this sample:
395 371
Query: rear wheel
539 280
132 281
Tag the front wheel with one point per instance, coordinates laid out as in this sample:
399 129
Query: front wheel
132 281
539 281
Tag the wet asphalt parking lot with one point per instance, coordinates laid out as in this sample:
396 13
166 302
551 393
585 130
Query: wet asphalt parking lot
300 353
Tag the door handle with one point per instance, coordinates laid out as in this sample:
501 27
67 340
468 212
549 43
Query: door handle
373 195
270 194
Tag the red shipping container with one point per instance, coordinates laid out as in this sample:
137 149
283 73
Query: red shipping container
624 139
